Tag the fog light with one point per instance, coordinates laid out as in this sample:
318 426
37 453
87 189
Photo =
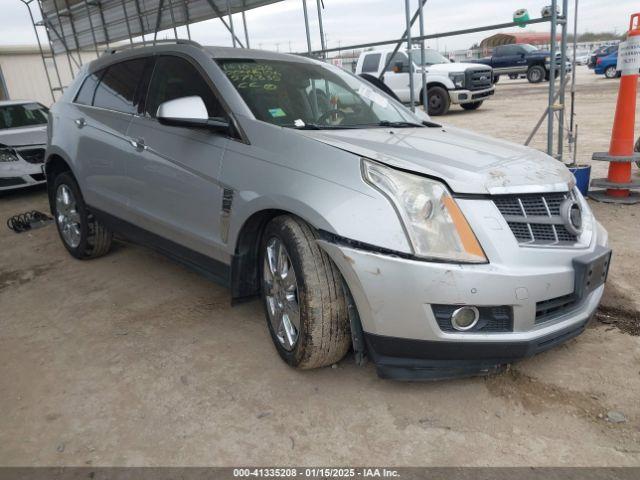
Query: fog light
465 318
463 96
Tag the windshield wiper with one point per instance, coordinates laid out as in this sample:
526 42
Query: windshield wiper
314 126
425 123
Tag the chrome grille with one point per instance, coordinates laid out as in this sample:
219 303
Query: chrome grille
478 79
535 218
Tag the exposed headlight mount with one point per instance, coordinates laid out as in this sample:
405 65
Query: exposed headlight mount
434 224
8 155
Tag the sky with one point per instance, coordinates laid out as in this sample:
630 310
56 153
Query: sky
281 26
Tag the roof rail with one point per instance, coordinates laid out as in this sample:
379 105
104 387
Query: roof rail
129 46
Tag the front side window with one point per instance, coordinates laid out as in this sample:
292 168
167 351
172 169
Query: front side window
371 62
299 94
175 77
117 89
398 57
431 57
22 115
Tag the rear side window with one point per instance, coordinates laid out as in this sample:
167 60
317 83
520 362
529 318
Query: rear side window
371 62
175 77
117 89
88 89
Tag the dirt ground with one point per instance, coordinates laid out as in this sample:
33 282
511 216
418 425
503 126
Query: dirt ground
133 360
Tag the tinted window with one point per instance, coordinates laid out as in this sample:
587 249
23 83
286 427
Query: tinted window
22 115
398 57
175 77
85 95
118 86
371 62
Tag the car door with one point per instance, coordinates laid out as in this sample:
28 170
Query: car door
104 107
175 190
398 82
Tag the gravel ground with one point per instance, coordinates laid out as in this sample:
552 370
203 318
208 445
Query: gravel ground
132 360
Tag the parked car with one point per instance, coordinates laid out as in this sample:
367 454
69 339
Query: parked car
464 84
582 57
601 52
520 58
23 132
435 251
608 66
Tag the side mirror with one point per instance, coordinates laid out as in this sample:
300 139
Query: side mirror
189 112
398 67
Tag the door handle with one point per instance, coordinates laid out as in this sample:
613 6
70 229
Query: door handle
80 122
138 144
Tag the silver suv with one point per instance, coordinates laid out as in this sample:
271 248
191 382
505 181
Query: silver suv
433 251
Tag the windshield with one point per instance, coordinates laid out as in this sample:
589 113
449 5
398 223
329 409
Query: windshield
431 57
22 115
529 48
312 95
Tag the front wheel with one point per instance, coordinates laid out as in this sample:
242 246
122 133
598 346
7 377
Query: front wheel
303 296
472 105
81 234
438 100
536 74
611 72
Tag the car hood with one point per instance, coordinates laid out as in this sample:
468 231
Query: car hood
466 161
454 67
17 137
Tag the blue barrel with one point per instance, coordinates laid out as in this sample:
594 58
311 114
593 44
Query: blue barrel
583 175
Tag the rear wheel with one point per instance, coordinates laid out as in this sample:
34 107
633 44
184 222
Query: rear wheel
611 72
438 101
536 74
472 105
303 296
81 234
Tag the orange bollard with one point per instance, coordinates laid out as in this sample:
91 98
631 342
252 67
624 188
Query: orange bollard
621 153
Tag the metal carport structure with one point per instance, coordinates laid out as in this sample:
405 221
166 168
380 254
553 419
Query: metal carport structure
74 26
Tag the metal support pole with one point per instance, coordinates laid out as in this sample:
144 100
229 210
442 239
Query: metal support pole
173 20
424 99
73 30
573 137
407 14
44 62
139 12
233 34
60 36
552 76
220 15
158 20
397 42
244 26
126 19
322 39
104 24
306 25
93 33
563 73
187 19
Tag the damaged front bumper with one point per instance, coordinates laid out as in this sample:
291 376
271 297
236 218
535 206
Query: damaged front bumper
398 299
26 171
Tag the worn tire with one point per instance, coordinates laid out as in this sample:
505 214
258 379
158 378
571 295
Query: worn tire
472 105
536 74
439 101
611 72
95 238
324 336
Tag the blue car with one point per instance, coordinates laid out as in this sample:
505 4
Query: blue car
608 65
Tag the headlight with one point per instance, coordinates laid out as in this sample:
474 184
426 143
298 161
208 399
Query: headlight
547 59
457 79
7 155
432 219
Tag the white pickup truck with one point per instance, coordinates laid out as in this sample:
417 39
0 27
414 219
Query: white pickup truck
466 84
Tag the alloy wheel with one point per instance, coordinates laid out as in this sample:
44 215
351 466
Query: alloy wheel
281 293
67 216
